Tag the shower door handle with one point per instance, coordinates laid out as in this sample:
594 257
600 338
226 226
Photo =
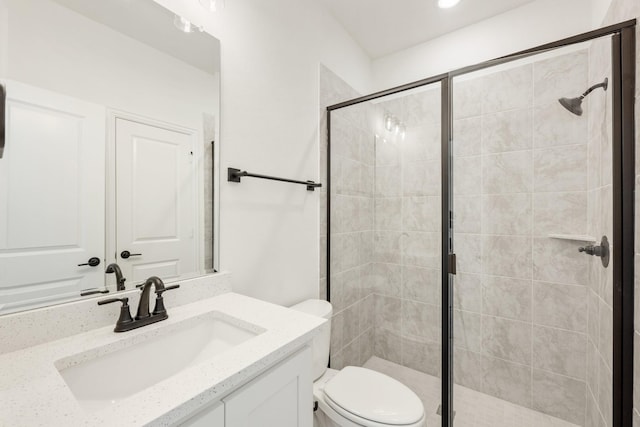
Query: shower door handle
452 263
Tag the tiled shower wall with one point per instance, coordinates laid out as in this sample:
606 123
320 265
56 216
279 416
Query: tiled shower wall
520 175
406 270
352 180
600 222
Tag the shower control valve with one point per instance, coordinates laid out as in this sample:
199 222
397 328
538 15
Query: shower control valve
601 250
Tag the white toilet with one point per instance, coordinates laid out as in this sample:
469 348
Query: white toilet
353 396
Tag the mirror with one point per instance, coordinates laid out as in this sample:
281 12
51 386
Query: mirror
111 145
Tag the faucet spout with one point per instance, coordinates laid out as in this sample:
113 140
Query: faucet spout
143 305
115 268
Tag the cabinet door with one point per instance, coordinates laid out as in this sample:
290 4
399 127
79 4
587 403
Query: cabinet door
52 193
282 397
210 417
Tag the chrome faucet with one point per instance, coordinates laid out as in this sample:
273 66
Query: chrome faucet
143 317
115 268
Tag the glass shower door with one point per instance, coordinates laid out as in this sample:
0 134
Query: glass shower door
532 200
384 237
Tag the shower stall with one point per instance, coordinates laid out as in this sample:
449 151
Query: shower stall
479 234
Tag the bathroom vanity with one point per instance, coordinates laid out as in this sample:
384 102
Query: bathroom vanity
227 360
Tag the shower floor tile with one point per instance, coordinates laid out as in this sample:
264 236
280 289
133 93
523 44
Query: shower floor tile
473 409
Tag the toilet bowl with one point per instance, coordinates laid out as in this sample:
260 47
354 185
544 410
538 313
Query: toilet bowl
355 396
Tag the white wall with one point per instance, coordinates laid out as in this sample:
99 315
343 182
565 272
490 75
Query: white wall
271 53
52 47
533 24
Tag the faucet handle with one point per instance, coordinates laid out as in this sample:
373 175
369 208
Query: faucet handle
124 301
125 314
159 307
159 292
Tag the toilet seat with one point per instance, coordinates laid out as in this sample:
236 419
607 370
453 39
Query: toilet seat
372 399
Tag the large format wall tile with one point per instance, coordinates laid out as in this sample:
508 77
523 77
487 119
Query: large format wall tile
468 175
388 344
467 215
563 75
506 339
560 306
507 173
467 137
423 356
467 369
421 178
560 351
468 248
559 261
560 168
559 396
422 143
506 380
507 297
387 247
507 131
496 250
507 90
422 107
466 96
559 213
554 126
421 320
506 214
421 284
467 331
421 213
421 249
388 213
467 292
386 279
388 313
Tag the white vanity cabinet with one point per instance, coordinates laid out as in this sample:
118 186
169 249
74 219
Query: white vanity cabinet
280 397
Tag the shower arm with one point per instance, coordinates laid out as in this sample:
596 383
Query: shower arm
603 85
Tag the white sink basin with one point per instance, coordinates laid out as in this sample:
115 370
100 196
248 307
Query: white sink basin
101 377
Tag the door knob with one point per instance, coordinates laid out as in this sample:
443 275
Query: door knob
127 254
92 262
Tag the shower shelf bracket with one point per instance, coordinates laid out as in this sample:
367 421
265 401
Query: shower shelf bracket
574 237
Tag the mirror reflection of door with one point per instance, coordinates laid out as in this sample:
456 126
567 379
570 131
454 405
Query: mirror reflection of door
52 197
156 209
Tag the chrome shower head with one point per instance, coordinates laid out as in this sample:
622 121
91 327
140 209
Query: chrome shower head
574 105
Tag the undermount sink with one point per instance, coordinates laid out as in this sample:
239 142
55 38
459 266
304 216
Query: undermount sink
99 378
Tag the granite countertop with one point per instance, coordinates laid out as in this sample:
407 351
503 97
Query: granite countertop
33 393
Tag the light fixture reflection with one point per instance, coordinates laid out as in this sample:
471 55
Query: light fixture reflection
388 122
445 4
212 5
185 25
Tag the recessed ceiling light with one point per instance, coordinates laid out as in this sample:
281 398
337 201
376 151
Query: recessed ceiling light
445 4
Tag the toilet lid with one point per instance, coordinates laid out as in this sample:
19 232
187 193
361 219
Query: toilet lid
374 396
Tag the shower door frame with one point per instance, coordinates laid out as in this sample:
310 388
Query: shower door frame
623 63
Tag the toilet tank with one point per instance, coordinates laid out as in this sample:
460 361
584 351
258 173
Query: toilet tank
322 341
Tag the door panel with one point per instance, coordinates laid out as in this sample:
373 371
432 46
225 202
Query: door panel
49 226
156 208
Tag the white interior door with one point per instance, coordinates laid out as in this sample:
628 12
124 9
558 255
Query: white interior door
52 197
156 209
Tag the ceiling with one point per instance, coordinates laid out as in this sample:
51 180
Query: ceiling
150 23
382 27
